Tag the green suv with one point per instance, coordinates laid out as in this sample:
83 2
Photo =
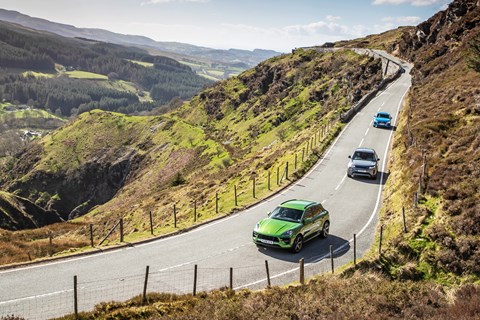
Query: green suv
291 224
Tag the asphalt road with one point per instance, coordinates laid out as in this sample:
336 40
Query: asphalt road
46 290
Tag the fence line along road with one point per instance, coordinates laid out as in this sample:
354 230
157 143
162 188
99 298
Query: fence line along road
47 290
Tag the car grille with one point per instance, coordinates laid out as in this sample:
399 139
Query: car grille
264 237
362 167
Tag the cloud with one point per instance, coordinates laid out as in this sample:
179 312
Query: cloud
333 18
417 3
169 1
408 20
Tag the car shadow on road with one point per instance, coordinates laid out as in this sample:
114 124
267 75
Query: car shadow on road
313 251
371 181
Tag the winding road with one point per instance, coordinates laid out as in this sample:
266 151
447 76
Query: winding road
46 290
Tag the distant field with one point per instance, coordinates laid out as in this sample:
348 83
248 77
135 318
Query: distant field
26 113
143 96
85 75
145 64
216 74
38 74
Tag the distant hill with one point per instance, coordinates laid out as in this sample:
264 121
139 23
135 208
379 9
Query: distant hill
71 75
243 59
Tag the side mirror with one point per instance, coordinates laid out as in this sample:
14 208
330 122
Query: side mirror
349 157
378 159
268 213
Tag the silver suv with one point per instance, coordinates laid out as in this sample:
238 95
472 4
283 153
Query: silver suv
363 162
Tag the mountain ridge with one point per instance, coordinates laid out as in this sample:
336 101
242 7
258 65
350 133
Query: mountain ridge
230 56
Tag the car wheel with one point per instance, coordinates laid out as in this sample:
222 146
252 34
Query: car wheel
325 230
297 244
374 177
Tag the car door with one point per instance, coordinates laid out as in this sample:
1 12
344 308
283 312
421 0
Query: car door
308 223
319 218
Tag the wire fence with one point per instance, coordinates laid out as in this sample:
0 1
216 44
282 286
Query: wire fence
188 279
84 295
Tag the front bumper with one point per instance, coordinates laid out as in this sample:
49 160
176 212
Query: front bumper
382 124
269 241
362 171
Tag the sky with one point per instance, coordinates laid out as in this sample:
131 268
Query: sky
279 25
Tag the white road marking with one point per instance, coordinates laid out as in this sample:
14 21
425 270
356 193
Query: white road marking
377 204
361 142
343 179
366 132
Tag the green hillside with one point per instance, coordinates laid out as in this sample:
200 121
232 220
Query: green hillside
106 165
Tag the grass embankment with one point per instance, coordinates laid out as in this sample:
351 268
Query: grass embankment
222 140
363 296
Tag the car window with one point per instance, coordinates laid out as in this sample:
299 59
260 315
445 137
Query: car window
287 214
309 213
360 155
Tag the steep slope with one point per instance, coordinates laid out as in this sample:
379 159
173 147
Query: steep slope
437 153
124 166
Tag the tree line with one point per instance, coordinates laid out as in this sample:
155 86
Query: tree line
25 50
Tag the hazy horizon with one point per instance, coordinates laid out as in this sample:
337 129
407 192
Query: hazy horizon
279 25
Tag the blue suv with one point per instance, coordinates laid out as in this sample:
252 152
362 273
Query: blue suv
382 119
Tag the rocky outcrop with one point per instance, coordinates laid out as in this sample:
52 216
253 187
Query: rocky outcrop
439 35
73 194
19 213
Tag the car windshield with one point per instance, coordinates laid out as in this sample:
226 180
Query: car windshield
383 115
362 155
287 214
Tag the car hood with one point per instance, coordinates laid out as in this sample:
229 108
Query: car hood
275 227
363 163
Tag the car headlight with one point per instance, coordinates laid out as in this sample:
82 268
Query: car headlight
371 167
286 234
257 226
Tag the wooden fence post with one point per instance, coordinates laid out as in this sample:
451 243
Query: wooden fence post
268 274
216 202
404 220
278 176
194 210
235 191
195 281
354 250
268 180
75 297
254 188
231 278
174 215
303 154
121 229
50 244
331 258
144 300
286 171
302 271
91 235
381 238
151 222
295 167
